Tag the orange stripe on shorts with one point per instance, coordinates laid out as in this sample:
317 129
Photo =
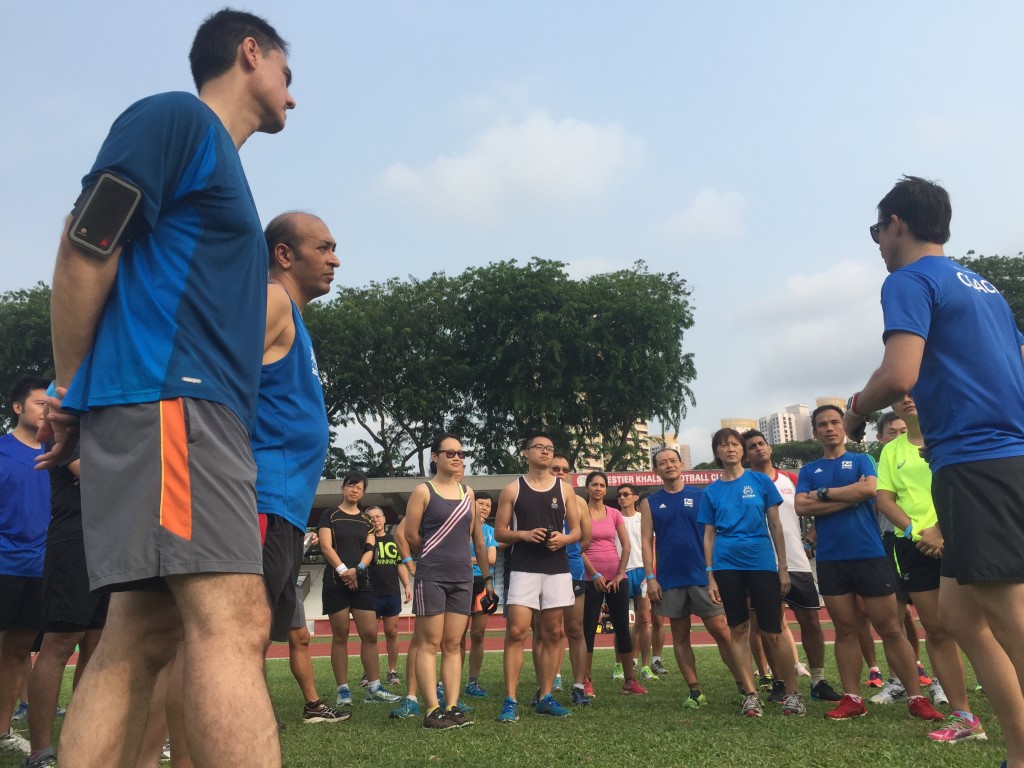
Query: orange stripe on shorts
175 484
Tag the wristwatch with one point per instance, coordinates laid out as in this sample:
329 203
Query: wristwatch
823 494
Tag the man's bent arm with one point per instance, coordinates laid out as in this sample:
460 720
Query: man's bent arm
81 287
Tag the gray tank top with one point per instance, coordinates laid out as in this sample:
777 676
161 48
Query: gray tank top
446 529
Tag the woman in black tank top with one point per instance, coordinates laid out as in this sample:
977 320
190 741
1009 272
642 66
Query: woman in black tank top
440 521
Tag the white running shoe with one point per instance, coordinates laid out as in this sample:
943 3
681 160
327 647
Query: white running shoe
891 692
938 695
14 744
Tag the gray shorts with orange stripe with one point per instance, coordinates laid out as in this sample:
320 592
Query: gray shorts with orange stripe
168 488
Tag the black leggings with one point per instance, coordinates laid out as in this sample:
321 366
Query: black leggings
618 611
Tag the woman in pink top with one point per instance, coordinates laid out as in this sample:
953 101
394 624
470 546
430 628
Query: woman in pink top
605 575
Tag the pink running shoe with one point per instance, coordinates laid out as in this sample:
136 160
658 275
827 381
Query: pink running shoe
959 729
633 688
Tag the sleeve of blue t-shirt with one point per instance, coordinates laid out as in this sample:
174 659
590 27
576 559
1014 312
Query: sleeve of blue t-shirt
907 300
803 480
866 465
706 510
152 145
772 497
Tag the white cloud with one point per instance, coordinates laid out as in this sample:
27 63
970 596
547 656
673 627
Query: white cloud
711 215
537 162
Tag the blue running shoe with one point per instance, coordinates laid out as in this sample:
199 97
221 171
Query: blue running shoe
440 697
558 683
548 706
344 696
509 712
579 697
536 698
464 708
379 696
408 708
21 713
473 689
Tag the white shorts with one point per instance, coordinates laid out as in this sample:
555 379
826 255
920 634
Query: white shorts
540 591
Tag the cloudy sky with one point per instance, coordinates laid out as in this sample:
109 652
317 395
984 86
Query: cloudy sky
743 145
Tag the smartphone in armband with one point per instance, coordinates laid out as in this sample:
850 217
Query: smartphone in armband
103 213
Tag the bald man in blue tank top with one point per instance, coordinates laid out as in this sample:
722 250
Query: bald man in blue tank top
532 515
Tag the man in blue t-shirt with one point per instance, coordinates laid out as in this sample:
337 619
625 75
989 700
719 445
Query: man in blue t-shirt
838 491
680 588
159 347
951 341
24 515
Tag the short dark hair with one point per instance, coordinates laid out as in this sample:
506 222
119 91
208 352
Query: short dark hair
720 436
633 488
884 421
482 495
657 453
354 477
534 435
24 386
821 409
750 434
923 205
216 42
283 229
597 473
563 456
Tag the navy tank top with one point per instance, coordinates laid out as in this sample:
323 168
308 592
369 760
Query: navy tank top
538 509
446 530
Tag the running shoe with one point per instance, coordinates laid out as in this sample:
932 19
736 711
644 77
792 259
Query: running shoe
558 683
60 711
548 706
440 696
794 705
21 712
13 743
938 695
579 697
588 687
875 679
319 712
408 708
463 708
457 715
633 688
536 698
959 729
379 696
778 692
47 761
646 673
696 699
344 696
509 711
751 706
473 689
923 675
658 668
920 707
394 678
165 753
363 682
850 706
437 720
617 673
801 670
822 691
765 684
891 693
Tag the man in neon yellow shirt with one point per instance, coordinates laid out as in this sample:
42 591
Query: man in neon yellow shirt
904 496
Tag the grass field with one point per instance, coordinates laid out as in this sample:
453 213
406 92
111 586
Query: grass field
652 730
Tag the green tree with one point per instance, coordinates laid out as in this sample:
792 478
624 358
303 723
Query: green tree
25 346
1006 273
796 453
389 356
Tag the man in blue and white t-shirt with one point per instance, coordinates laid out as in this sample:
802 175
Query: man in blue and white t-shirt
838 491
951 341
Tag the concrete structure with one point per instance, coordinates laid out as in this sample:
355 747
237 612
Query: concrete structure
592 459
740 425
778 427
671 441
